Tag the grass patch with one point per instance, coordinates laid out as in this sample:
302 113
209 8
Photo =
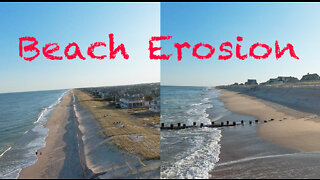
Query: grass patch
136 122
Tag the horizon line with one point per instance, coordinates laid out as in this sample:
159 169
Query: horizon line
77 87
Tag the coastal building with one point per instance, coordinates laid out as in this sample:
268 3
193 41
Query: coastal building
311 77
128 96
155 105
131 102
251 82
282 79
104 94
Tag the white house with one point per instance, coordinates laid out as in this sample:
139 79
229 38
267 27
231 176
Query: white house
131 103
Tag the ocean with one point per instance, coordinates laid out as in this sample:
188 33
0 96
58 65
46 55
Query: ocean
233 152
22 131
190 153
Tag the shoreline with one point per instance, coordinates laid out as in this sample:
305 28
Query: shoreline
75 149
291 128
60 157
102 154
268 149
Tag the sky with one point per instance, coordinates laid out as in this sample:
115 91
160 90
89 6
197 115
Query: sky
83 23
134 24
215 23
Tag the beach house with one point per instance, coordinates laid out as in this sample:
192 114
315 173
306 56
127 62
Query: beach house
311 77
131 102
251 82
282 79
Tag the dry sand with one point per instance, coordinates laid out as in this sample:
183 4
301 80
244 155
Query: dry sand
74 144
120 125
104 159
59 158
290 128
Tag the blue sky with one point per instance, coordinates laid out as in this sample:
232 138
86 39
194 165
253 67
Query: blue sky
83 23
134 24
215 23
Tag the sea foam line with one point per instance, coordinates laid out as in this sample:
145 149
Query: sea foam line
14 171
43 115
254 158
46 110
5 151
198 161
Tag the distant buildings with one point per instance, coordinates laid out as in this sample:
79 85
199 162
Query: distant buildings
251 82
130 103
311 77
283 79
130 96
138 102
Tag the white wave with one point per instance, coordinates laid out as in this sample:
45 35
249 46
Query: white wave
196 104
14 174
201 146
34 145
205 100
48 109
5 151
198 161
198 113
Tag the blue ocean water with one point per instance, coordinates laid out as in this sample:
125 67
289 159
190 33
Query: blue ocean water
190 153
22 116
194 153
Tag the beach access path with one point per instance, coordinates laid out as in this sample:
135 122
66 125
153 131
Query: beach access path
290 128
60 157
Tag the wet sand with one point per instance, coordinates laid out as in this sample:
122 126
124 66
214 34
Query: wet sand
290 128
267 150
60 157
75 148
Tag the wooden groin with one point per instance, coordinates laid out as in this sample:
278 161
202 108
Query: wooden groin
212 125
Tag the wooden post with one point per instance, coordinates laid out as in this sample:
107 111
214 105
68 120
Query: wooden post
201 125
257 120
242 122
162 125
234 123
194 123
250 122
227 122
212 123
221 124
184 126
171 126
179 124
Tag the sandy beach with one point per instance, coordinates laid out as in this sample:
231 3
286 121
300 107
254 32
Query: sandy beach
75 148
285 147
290 128
60 157
112 155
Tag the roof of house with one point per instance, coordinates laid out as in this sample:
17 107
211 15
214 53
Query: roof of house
308 77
